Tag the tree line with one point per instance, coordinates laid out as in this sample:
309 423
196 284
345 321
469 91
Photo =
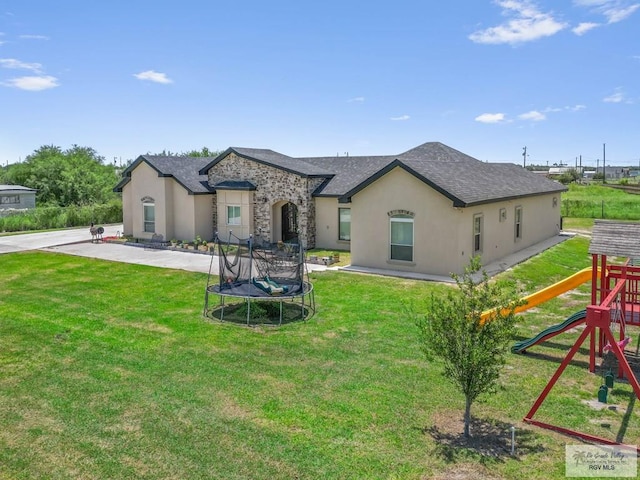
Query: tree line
77 176
74 187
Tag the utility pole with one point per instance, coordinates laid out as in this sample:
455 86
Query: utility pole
524 157
604 164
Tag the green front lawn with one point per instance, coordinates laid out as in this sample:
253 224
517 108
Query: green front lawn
108 370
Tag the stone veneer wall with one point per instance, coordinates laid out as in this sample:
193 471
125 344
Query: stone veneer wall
273 185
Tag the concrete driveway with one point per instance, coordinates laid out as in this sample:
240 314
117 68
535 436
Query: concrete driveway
78 242
35 241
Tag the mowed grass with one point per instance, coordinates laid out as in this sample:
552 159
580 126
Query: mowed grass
108 370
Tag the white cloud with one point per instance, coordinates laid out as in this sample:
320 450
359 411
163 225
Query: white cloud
17 64
525 23
490 118
613 10
34 37
33 84
616 14
356 100
616 97
400 118
153 76
533 115
584 27
569 108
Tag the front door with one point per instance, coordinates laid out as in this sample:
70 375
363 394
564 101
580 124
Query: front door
289 221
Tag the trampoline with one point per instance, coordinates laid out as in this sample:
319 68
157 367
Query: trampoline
253 272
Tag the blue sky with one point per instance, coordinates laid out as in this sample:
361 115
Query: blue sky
323 78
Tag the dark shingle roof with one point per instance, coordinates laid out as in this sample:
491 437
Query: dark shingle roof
460 177
185 170
456 175
348 172
275 159
618 239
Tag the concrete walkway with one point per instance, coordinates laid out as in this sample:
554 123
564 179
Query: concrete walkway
78 242
492 269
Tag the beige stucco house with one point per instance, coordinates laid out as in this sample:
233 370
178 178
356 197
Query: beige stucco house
427 210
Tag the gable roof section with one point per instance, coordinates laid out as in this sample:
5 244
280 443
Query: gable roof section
184 170
348 172
619 239
465 180
268 157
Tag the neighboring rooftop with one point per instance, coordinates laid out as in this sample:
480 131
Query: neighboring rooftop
16 188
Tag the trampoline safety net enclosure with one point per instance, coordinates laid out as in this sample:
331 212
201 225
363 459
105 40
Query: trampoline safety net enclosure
269 278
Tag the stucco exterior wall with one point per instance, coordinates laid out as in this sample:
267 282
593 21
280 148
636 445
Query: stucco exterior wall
435 225
145 184
327 223
245 200
127 209
540 220
443 235
178 215
273 186
203 218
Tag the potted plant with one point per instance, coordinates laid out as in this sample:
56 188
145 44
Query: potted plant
203 247
336 257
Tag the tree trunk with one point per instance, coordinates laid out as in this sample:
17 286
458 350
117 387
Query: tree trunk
467 417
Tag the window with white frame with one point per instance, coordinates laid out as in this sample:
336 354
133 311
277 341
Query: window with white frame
149 217
401 227
477 233
344 224
233 215
518 223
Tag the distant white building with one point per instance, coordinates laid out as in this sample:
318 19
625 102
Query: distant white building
17 197
559 170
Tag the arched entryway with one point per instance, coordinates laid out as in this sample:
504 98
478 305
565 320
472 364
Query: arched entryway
289 216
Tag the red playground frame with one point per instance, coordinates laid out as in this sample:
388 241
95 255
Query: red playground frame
615 302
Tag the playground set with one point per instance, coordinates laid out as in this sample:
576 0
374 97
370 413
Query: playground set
614 306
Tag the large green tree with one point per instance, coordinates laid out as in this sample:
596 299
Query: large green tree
76 176
453 331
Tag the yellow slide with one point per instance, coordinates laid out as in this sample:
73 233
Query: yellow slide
549 292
